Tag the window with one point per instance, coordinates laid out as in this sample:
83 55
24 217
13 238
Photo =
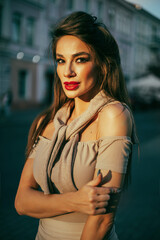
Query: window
1 12
22 81
16 27
87 5
30 31
70 4
141 28
100 8
124 23
111 16
154 32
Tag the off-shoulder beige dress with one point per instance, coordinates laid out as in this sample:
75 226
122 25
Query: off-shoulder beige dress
64 164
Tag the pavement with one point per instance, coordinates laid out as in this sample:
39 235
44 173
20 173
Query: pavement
138 215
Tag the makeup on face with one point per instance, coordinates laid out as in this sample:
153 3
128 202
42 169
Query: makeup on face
72 85
75 67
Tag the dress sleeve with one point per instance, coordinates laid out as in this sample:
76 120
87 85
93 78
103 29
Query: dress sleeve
113 153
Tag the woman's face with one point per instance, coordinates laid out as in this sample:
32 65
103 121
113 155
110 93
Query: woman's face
76 67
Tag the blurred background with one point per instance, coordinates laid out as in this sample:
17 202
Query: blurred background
26 88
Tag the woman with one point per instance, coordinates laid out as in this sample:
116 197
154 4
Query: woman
79 149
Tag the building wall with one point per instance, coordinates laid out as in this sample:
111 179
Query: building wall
25 28
22 56
23 86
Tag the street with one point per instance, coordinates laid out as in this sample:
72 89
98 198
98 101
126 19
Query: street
138 216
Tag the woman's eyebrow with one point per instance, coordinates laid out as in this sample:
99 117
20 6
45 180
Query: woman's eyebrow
75 54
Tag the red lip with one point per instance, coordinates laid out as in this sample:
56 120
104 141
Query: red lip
71 85
72 82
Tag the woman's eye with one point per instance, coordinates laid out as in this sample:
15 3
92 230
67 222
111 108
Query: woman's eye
81 60
59 60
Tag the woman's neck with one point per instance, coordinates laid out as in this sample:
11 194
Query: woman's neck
81 104
79 107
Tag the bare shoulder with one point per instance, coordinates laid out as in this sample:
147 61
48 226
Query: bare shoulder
114 110
114 120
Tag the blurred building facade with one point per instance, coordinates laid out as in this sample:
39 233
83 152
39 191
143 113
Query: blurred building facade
26 66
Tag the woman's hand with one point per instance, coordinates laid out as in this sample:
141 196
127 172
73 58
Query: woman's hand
92 199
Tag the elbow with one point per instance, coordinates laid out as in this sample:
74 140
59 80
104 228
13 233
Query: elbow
18 206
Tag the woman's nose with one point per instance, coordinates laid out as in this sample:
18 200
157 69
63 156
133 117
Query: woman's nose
69 70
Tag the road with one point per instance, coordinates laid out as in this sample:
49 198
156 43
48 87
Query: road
138 215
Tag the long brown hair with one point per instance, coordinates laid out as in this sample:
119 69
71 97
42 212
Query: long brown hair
106 54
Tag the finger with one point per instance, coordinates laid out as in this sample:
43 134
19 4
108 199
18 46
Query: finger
100 211
102 198
95 182
103 190
109 190
101 204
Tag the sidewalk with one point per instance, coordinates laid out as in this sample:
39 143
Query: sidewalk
139 212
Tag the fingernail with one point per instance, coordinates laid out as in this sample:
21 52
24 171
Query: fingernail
111 190
118 190
99 171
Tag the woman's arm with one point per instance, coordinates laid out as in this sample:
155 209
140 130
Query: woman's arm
32 202
117 123
29 201
97 227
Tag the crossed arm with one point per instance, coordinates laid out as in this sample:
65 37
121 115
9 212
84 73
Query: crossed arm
98 226
32 202
117 123
91 199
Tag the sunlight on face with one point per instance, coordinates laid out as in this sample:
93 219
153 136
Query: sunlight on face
76 67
